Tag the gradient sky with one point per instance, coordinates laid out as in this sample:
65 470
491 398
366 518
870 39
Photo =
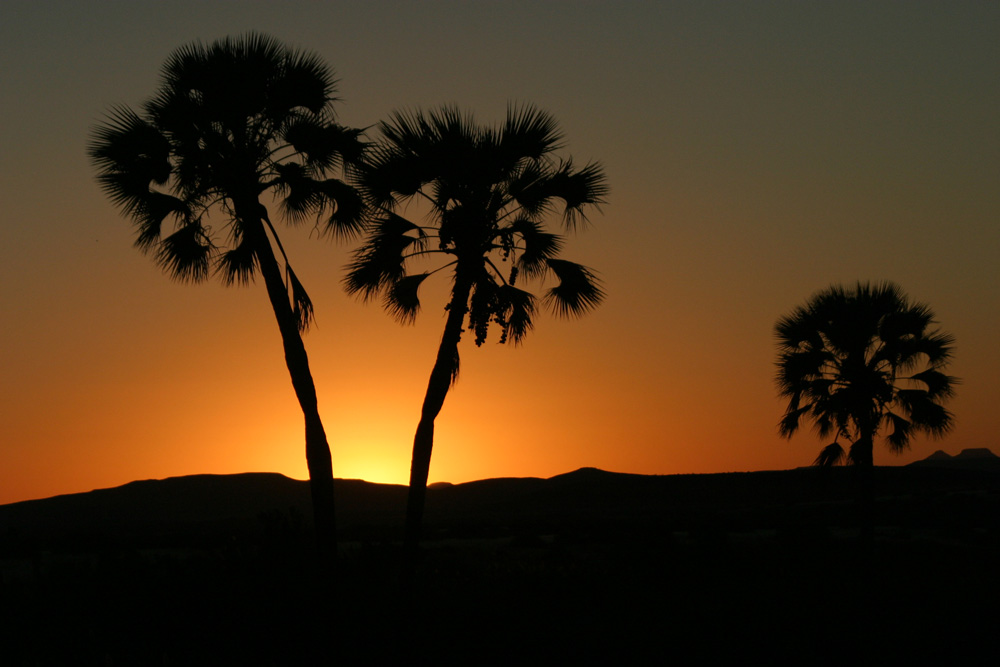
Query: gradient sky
757 152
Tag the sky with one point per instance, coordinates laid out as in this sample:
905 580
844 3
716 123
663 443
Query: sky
756 153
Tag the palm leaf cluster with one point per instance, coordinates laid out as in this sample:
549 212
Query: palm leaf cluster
857 362
486 191
232 121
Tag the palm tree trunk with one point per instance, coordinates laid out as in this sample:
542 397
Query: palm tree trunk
445 367
318 457
866 472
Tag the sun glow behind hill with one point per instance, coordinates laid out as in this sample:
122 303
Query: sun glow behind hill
363 463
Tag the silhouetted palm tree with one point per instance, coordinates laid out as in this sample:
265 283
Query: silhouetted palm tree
858 361
235 121
485 193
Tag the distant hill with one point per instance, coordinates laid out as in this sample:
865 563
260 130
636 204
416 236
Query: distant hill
205 510
199 506
979 458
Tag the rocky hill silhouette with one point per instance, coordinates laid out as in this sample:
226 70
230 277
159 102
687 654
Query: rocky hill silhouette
979 458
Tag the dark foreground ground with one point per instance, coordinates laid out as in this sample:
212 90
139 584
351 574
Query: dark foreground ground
585 568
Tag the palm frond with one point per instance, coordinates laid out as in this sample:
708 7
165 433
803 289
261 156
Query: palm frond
789 423
826 421
831 455
578 189
937 347
578 290
537 246
900 320
454 366
346 208
305 82
324 145
401 299
800 330
186 254
924 411
380 261
131 156
128 143
529 133
149 213
299 191
387 174
938 385
521 187
302 306
238 264
803 368
338 205
899 438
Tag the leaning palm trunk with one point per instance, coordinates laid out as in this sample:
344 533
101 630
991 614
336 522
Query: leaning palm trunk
442 376
318 457
234 120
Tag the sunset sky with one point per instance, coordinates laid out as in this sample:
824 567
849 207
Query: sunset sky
756 152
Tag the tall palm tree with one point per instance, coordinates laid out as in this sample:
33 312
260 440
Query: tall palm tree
486 192
234 122
857 362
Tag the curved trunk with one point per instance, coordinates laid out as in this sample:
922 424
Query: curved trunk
317 450
445 367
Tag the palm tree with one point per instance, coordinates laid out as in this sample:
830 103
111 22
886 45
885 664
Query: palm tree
234 122
859 362
486 192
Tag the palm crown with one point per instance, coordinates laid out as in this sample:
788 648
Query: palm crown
231 122
487 191
858 361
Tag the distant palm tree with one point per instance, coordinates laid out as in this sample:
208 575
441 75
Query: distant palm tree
485 193
860 361
233 122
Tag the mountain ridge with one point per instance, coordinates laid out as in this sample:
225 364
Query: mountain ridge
209 507
972 456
